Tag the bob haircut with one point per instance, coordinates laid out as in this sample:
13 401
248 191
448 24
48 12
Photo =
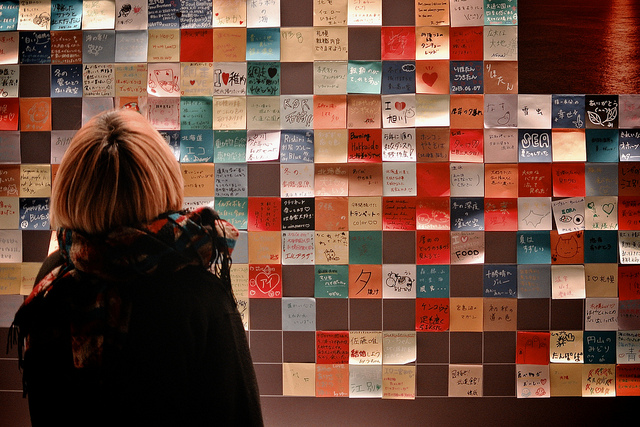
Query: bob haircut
117 171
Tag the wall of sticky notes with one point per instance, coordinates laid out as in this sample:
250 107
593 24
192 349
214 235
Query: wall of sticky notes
413 224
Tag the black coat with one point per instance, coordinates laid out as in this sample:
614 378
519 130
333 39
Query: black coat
185 361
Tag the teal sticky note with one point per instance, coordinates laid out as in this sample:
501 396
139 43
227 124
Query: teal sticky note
534 281
601 179
263 78
534 247
196 112
432 281
600 246
234 210
196 146
331 281
364 77
602 145
263 44
66 15
365 247
229 146
9 15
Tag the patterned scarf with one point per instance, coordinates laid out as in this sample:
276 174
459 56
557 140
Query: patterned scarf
88 288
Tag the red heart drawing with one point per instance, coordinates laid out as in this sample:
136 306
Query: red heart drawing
429 78
225 78
192 82
267 282
241 22
400 106
543 381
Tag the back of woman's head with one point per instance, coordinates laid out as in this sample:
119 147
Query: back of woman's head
117 171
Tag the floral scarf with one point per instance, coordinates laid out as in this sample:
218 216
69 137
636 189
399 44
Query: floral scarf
82 289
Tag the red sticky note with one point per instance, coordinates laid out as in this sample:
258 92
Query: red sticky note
398 213
628 178
196 45
500 214
627 380
433 247
465 43
332 347
532 348
568 179
534 180
567 248
9 113
265 280
466 145
433 213
433 179
35 114
365 145
264 214
628 213
432 314
628 282
398 43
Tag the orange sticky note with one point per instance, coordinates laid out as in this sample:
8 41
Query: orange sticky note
329 111
432 144
265 247
332 213
398 43
433 179
398 213
196 45
35 114
567 248
467 111
331 179
229 44
500 77
466 314
264 214
199 179
365 281
432 314
628 380
501 180
432 247
532 348
432 77
568 179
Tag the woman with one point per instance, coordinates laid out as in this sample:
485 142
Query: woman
133 320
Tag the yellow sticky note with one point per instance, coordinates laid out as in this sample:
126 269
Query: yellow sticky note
230 13
566 347
131 79
601 280
332 247
566 379
399 382
465 380
229 112
298 379
365 213
568 145
598 380
35 180
296 44
163 46
29 271
10 275
331 146
196 78
365 347
330 13
265 247
331 43
199 179
9 213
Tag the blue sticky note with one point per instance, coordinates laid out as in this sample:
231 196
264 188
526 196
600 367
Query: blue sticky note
364 77
234 210
131 46
231 180
298 314
34 214
164 15
196 146
602 145
599 347
196 14
35 47
534 281
534 146
365 247
66 15
331 281
398 77
432 281
263 78
600 246
534 247
263 44
196 112
230 146
629 145
66 81
296 146
9 15
500 281
568 111
172 137
99 46
467 213
466 77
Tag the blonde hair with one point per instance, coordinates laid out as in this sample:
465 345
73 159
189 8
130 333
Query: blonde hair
117 171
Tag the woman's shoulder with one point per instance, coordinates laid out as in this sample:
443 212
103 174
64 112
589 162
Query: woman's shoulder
53 260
